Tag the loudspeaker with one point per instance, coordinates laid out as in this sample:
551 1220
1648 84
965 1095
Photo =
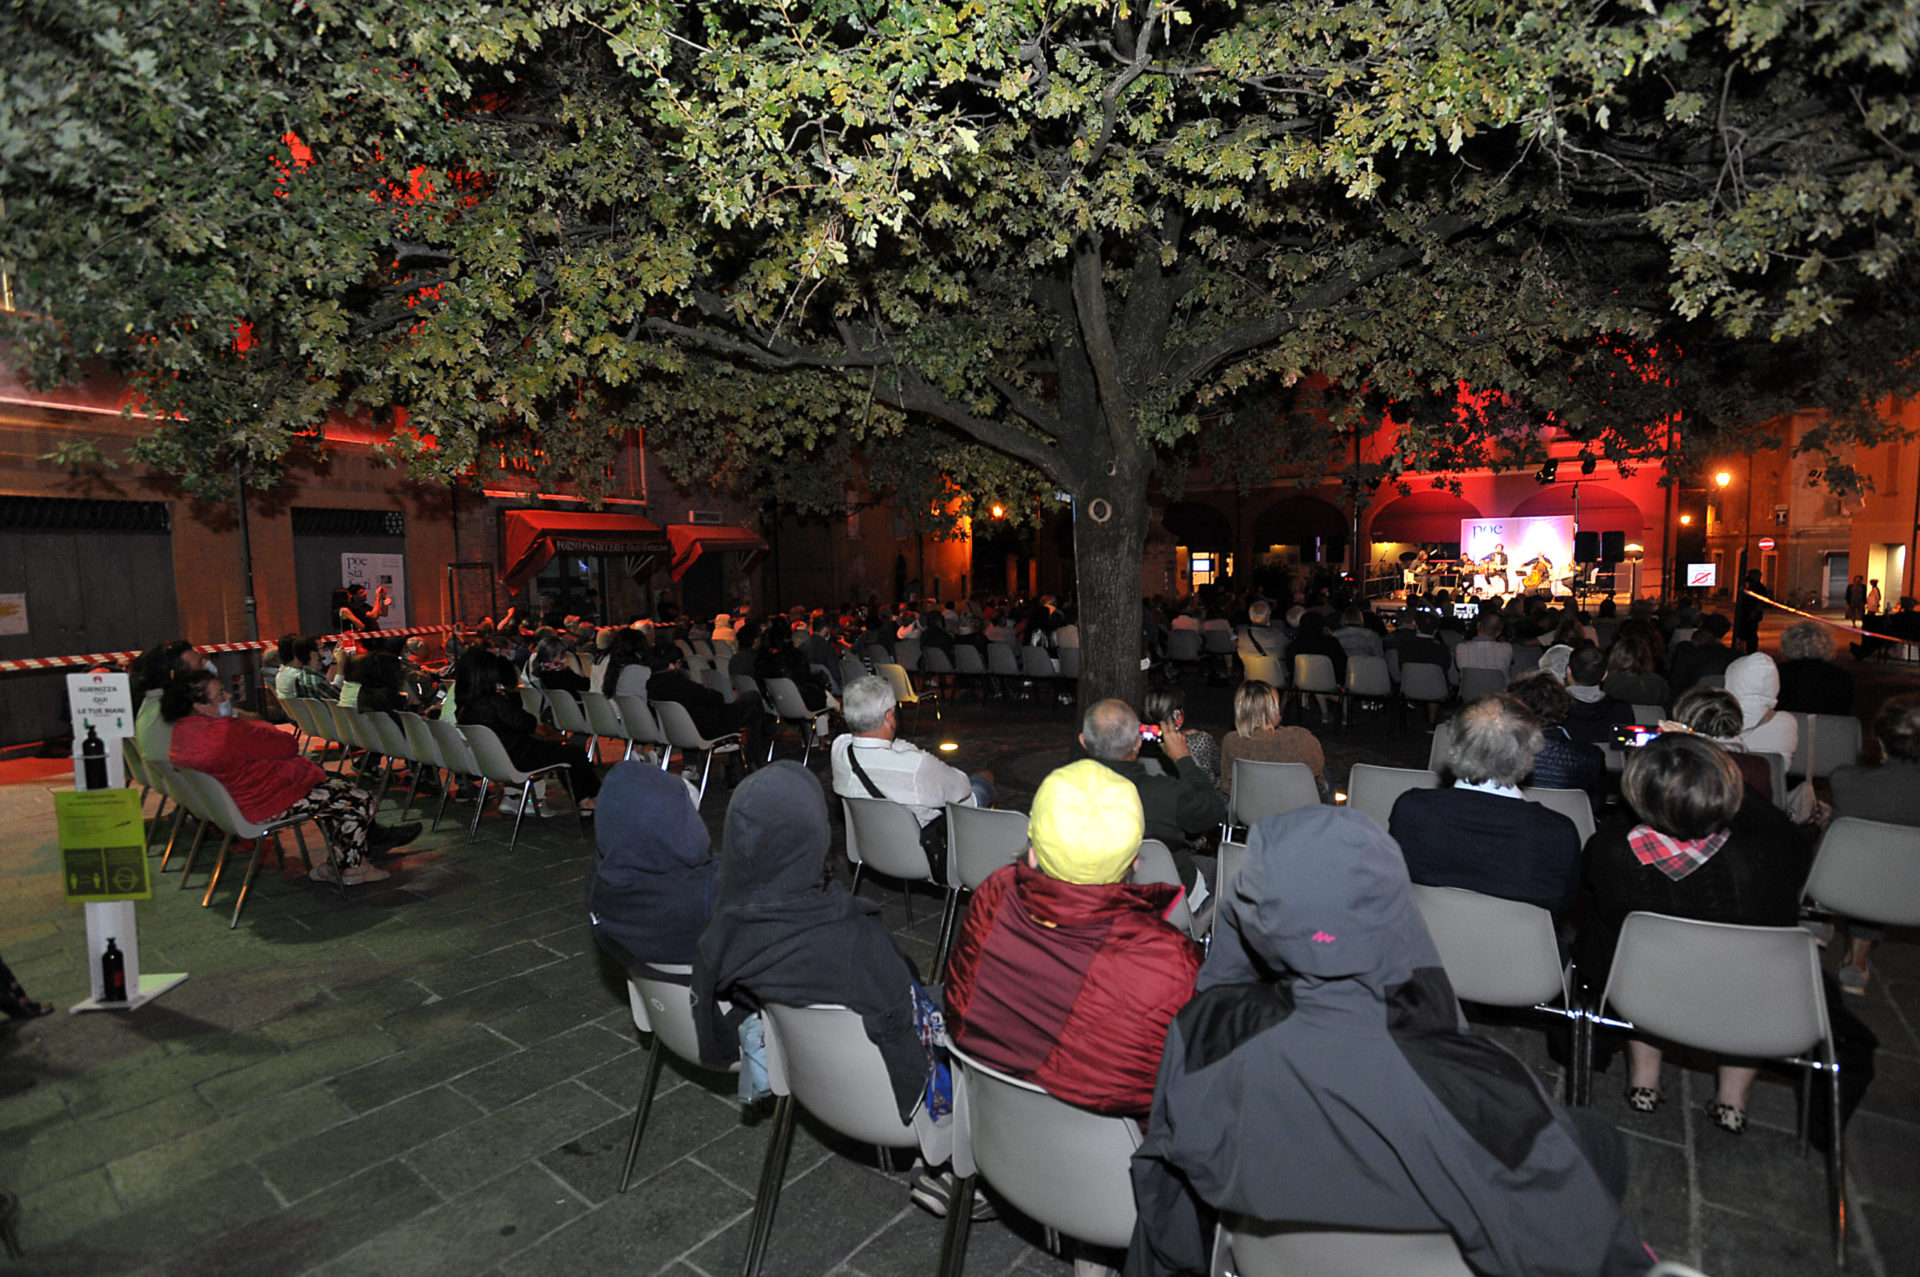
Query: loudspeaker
1586 547
1613 547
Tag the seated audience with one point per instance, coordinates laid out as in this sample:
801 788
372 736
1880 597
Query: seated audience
1595 716
654 875
150 674
1322 1075
1754 682
1810 683
1694 843
300 674
1704 654
1312 639
781 659
1168 704
269 778
1258 736
1487 649
1712 712
1898 627
1181 809
871 761
1481 833
1889 793
1355 636
530 744
1632 675
713 714
627 671
1260 636
1562 762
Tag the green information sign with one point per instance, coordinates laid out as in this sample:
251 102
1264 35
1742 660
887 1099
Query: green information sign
103 854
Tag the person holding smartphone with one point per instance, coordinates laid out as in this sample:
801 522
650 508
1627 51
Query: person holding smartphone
1182 808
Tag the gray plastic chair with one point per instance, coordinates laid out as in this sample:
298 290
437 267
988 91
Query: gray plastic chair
1269 789
1063 1167
980 840
456 755
604 720
1827 742
423 750
1246 1248
819 1058
677 725
570 718
885 836
1069 665
495 767
1373 790
1441 747
1368 679
906 654
1424 683
936 665
1571 803
161 774
1183 647
1155 864
720 681
1750 992
662 1007
1476 682
379 726
1003 665
1869 871
224 813
534 701
1502 953
789 708
643 728
851 668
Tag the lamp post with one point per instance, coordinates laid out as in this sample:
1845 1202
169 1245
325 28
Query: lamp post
1723 479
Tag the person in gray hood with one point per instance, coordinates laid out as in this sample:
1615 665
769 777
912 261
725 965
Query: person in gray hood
1323 1075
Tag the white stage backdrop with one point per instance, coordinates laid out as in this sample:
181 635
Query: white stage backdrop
1524 538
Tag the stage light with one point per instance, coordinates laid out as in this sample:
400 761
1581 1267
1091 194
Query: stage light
1634 547
1548 472
1723 478
1589 464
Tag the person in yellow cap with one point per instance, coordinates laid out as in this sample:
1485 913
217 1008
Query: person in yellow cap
1065 974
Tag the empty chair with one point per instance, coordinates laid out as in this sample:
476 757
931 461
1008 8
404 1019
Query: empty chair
533 700
968 663
1748 992
936 664
702 649
1248 1248
904 692
1827 741
790 709
877 654
1183 647
906 654
663 1007
1269 789
643 728
979 841
1036 664
1571 803
570 718
495 767
885 836
1314 673
1265 669
819 1058
456 755
851 667
603 718
1374 790
1069 664
1064 1167
682 734
1003 665
1868 871
1368 679
1424 683
1155 864
1476 682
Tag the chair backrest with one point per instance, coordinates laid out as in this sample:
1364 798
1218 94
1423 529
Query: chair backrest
1424 681
720 681
703 649
1827 741
1061 1166
419 732
208 799
1647 715
897 679
967 659
698 665
637 714
491 755
1452 638
1249 1249
1751 991
381 727
1271 789
1571 803
1314 673
455 754
1155 864
1369 676
664 1008
533 700
346 725
296 710
783 694
851 667
877 654
687 650
1217 642
723 648
677 725
906 653
1476 682
744 683
1499 952
1035 663
1441 747
981 840
1868 870
935 661
1069 663
884 836
1001 660
603 716
567 714
1266 669
1526 656
1183 645
821 1056
1374 790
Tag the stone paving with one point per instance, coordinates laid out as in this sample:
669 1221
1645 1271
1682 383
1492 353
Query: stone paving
438 1076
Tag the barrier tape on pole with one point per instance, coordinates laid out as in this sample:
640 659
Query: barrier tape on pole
114 658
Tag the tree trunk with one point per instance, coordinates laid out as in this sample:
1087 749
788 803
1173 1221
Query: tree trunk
1106 555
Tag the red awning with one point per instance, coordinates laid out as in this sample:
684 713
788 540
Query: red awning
534 536
1422 517
691 540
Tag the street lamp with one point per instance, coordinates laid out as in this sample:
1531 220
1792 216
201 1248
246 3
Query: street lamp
1723 478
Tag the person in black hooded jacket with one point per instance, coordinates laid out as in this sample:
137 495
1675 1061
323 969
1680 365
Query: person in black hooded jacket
654 877
1324 1076
784 932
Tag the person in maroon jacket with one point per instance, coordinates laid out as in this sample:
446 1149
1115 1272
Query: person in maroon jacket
268 777
1064 973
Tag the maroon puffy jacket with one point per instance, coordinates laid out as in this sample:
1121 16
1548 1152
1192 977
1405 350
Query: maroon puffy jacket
1070 987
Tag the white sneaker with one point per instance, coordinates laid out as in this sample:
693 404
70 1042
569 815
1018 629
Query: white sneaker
366 871
325 872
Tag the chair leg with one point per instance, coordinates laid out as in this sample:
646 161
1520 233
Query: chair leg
1837 1168
179 818
186 866
240 902
566 781
226 845
386 778
772 1173
906 897
479 805
159 814
412 789
655 1058
705 772
857 871
948 917
526 793
953 1238
300 841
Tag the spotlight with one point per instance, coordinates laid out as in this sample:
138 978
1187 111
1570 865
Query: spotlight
1548 472
1589 464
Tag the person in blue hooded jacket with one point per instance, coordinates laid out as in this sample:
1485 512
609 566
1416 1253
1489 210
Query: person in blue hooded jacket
654 876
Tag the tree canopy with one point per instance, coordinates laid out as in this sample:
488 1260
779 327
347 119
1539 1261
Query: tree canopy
997 248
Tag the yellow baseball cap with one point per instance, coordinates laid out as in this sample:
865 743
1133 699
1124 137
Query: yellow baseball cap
1086 823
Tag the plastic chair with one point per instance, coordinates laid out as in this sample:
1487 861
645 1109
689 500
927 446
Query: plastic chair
720 681
937 665
1248 1248
422 749
1827 742
1424 683
1315 674
662 1007
819 1058
1750 992
1183 647
1502 953
1368 679
533 700
1869 871
783 697
980 840
907 654
166 781
1231 858
491 757
1069 665
456 755
747 683
221 811
1063 1167
1269 789
1476 682
603 719
1155 864
703 649
904 693
1003 665
886 836
1374 790
1571 803
851 667
678 727
1441 747
643 728
968 663
1037 665
570 718
1265 669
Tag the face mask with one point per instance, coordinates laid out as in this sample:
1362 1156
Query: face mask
210 667
226 709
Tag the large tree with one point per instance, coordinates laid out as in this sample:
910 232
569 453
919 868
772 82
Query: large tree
999 249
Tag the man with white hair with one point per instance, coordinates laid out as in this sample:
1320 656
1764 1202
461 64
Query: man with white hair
1260 636
871 761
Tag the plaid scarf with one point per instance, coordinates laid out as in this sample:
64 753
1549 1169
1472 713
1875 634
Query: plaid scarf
1674 857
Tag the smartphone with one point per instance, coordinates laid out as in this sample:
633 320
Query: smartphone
1635 736
1149 733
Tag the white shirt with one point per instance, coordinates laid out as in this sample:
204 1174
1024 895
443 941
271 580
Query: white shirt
1483 654
904 773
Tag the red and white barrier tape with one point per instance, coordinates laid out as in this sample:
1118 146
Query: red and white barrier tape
114 658
1788 607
